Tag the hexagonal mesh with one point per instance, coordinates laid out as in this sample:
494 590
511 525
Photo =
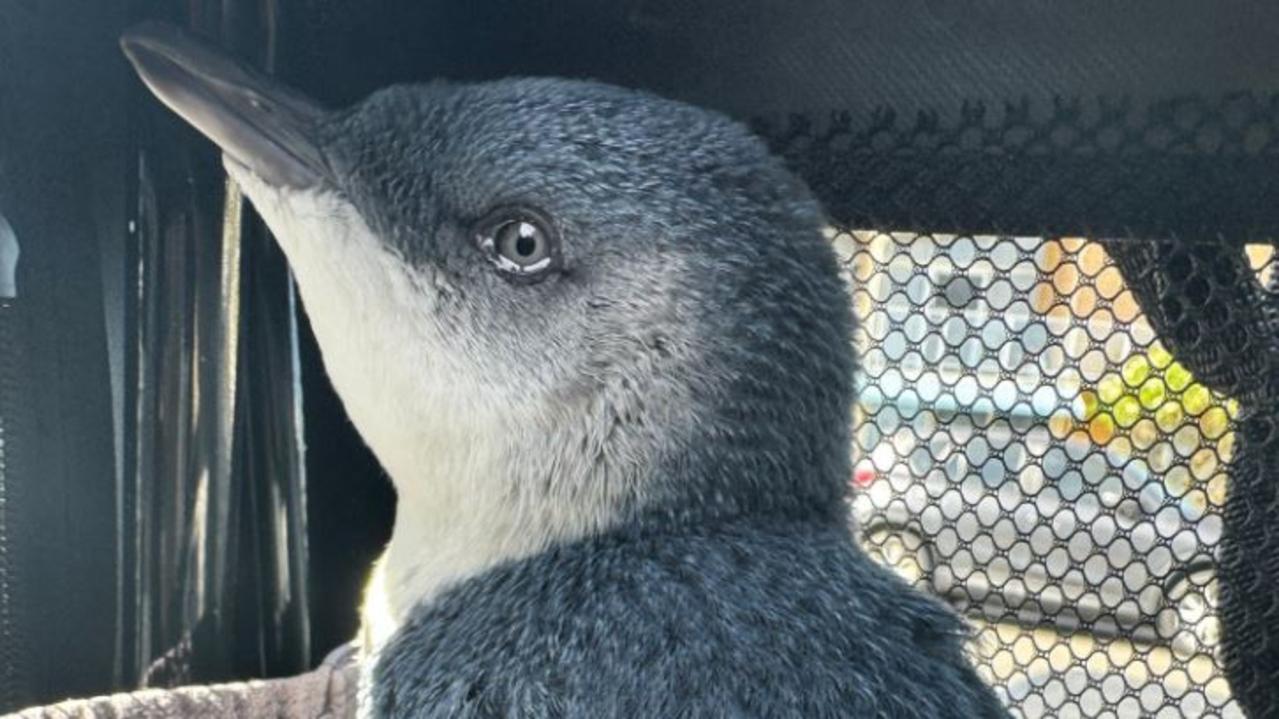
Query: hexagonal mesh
1029 447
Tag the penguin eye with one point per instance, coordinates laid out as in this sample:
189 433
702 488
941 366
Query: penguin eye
522 243
519 244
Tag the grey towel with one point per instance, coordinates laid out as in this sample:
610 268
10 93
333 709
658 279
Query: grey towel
328 692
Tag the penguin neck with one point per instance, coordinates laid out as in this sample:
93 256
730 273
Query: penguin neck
432 547
480 484
499 485
459 512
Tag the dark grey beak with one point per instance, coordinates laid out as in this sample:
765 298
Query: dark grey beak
258 122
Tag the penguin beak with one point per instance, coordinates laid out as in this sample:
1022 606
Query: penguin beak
259 123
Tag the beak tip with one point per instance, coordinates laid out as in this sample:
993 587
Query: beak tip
151 37
129 45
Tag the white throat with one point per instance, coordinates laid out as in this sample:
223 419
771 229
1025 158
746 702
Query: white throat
437 430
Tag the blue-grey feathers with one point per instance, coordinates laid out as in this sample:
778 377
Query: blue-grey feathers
744 619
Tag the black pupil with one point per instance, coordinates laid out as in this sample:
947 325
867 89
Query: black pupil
523 243
526 245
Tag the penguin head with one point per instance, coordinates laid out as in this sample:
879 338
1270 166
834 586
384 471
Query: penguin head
570 307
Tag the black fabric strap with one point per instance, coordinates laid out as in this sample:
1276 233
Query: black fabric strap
1206 305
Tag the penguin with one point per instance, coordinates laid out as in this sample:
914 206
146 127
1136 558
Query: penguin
600 345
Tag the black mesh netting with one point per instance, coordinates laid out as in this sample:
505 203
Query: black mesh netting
1037 446
1071 440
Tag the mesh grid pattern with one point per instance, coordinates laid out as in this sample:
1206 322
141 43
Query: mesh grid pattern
1029 448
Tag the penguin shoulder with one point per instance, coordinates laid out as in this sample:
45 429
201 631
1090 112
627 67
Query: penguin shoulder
738 620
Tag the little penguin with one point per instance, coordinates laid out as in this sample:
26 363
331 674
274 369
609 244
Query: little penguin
600 345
